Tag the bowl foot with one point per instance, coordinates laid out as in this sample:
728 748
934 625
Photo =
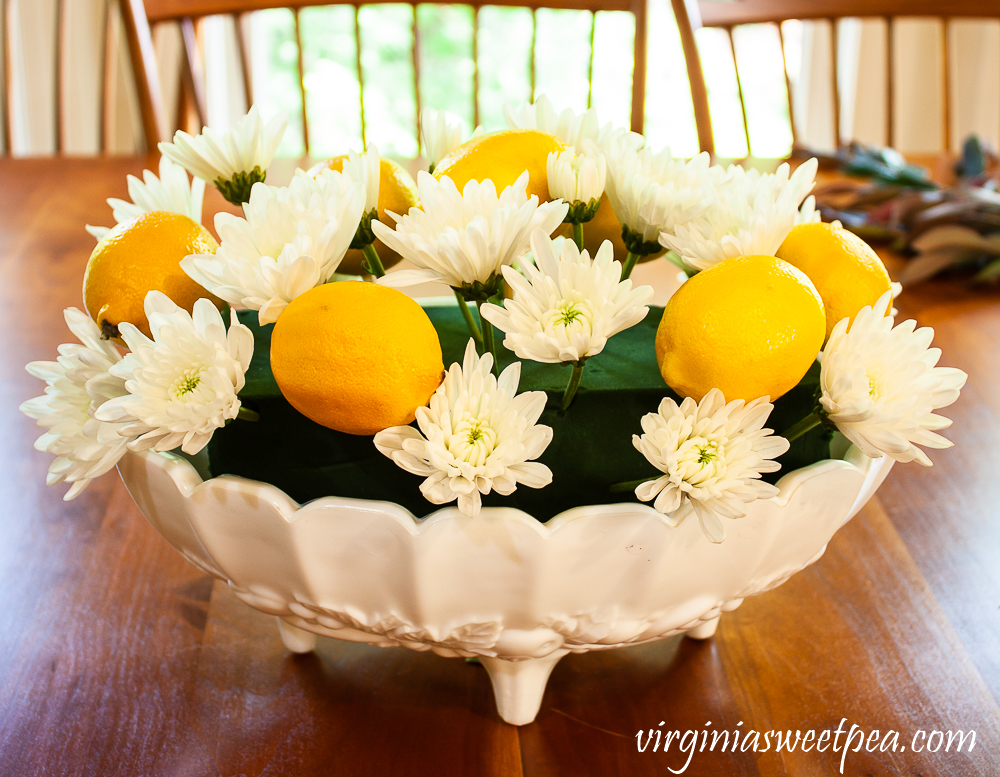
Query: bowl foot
519 685
704 630
297 640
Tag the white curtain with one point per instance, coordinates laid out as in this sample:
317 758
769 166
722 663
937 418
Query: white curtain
918 121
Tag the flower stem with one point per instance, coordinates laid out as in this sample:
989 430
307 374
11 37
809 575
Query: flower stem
629 485
489 343
680 264
374 263
578 234
795 431
630 261
247 414
573 385
469 320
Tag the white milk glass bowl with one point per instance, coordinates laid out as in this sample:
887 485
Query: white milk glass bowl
516 593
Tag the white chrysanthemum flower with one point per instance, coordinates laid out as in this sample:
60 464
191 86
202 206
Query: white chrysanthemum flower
477 435
808 213
654 192
170 192
182 384
233 161
292 239
573 128
78 382
896 288
578 179
712 455
463 239
880 385
442 134
750 180
565 307
366 169
751 214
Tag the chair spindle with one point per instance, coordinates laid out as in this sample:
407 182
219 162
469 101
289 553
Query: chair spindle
534 39
835 80
475 66
302 80
192 71
788 86
590 62
416 76
739 87
57 90
241 22
945 84
361 75
639 13
890 88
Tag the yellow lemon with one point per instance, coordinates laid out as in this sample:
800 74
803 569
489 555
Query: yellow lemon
356 357
397 192
846 272
502 157
138 256
750 326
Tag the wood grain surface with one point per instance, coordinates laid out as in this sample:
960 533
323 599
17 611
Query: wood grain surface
119 658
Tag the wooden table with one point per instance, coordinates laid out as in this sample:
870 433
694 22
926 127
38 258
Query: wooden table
119 658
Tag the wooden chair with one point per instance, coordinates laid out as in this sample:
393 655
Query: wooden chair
728 14
16 53
141 15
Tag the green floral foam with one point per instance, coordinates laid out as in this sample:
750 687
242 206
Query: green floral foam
591 447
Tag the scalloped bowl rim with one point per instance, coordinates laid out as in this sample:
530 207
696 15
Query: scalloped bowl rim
184 474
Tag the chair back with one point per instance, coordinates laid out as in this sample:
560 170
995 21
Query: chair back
146 15
61 71
729 14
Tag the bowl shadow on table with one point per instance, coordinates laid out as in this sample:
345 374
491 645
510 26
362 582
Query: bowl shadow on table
372 710
382 708
606 697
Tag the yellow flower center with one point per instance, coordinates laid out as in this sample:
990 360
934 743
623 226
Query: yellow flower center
700 460
708 453
568 313
472 441
185 384
874 387
572 314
